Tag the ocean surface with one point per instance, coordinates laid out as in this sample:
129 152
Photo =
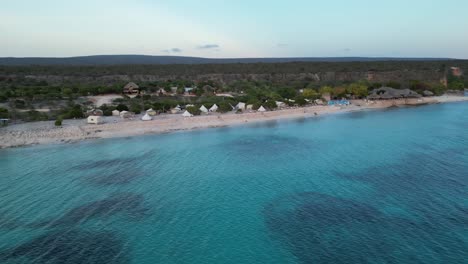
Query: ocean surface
387 186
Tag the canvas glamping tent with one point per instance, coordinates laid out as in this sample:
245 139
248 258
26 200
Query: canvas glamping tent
151 112
261 109
214 108
240 106
187 114
203 109
146 117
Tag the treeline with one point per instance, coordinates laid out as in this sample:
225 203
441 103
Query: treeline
234 68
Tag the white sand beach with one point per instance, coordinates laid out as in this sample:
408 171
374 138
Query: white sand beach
46 132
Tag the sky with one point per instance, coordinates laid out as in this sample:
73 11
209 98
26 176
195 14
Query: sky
235 28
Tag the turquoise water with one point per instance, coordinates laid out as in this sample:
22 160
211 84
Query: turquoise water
367 187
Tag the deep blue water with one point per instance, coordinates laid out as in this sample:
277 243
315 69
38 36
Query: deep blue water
385 186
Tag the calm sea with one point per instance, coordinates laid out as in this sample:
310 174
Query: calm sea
386 186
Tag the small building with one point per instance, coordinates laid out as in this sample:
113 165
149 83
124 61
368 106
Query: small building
176 110
240 106
261 109
95 120
280 104
95 112
4 121
131 89
214 108
249 107
115 112
188 90
161 91
326 96
151 112
125 114
456 71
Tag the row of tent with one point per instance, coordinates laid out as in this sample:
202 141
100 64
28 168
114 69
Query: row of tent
214 108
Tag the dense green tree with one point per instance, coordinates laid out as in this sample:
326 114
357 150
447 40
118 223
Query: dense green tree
122 107
310 93
270 104
4 113
194 110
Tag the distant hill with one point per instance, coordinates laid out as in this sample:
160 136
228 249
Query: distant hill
152 60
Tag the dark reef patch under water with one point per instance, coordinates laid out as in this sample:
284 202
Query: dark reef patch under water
269 145
130 205
71 247
319 228
114 177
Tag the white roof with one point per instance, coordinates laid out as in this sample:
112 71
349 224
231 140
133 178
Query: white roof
146 117
187 114
149 110
214 108
240 105
203 109
261 109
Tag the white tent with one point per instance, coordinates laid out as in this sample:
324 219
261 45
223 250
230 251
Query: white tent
151 112
116 112
125 114
214 108
240 106
203 109
146 117
187 114
261 109
280 104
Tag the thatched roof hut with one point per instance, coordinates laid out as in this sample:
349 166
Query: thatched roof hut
392 93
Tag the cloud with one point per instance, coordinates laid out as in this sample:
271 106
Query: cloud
209 46
172 50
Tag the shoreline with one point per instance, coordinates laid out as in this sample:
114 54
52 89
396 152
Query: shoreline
34 133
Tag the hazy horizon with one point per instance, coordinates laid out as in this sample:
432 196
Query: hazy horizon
243 29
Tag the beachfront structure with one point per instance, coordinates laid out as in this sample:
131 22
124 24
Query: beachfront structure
261 109
4 121
115 112
125 114
280 104
188 90
146 117
214 108
187 114
240 106
131 89
176 110
151 112
249 107
95 112
203 109
95 120
326 96
392 93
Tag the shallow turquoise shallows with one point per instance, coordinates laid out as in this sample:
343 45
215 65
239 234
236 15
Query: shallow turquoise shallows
386 186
